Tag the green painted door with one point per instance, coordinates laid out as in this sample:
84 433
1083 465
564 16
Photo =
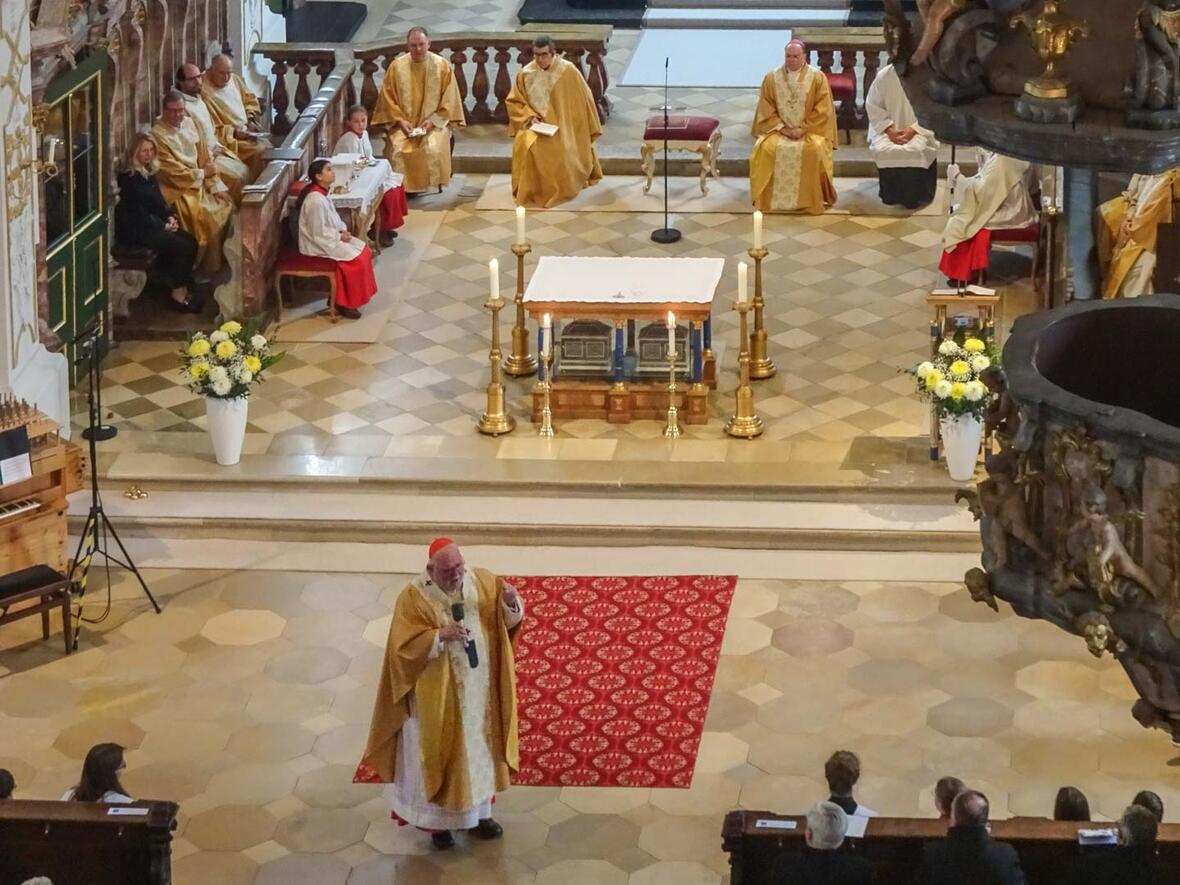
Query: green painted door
75 198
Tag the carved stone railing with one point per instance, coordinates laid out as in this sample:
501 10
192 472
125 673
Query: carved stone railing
261 213
1080 513
485 64
854 52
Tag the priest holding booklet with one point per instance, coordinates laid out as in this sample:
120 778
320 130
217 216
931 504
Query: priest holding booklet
554 124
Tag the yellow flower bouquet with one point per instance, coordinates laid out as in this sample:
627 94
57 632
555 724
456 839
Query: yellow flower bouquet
226 362
951 378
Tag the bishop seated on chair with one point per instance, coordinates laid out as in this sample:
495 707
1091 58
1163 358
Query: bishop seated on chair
795 124
549 168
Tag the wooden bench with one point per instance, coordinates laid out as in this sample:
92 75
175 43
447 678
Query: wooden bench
893 845
82 842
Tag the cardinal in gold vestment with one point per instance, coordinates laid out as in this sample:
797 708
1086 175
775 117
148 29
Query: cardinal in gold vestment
419 103
1128 230
795 124
237 111
189 181
550 169
444 729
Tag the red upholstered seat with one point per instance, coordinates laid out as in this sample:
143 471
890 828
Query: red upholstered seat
1030 234
843 86
681 128
297 187
291 260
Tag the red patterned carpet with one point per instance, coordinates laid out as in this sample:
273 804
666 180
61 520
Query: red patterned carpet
614 677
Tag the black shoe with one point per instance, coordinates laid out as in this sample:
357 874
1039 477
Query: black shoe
443 840
349 313
487 829
388 237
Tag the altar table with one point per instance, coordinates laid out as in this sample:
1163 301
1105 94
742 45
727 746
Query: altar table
622 291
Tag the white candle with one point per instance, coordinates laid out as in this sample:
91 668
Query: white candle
743 269
520 240
547 336
494 279
671 333
757 229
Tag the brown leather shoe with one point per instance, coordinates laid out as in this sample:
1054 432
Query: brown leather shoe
487 829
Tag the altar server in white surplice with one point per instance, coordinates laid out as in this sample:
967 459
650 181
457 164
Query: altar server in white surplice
906 153
355 140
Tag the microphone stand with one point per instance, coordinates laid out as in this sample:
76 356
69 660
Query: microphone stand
665 234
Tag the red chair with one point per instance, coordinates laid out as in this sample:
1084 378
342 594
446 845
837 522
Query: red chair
293 263
843 86
1023 236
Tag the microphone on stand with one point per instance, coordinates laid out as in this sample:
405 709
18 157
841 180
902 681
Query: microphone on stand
468 645
667 233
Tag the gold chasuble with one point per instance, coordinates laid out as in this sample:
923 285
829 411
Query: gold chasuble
424 691
1128 229
230 168
550 169
183 154
789 175
234 108
416 92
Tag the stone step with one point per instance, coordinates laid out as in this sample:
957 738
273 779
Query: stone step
752 4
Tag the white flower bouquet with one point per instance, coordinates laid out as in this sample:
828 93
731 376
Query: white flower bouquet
951 379
224 363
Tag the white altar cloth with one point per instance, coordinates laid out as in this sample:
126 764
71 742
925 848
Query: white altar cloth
615 280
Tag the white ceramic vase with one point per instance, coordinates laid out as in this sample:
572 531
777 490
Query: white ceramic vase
227 427
961 436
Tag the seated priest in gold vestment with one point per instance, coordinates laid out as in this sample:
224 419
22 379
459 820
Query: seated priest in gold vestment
549 168
237 110
220 139
1128 230
418 105
795 124
189 181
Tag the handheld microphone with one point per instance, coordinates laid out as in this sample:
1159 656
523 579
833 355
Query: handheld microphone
472 654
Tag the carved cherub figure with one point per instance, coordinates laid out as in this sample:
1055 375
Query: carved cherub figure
979 585
1157 28
935 14
1002 500
1099 634
1105 556
1003 415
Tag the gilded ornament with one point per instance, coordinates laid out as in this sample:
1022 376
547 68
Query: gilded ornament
1053 35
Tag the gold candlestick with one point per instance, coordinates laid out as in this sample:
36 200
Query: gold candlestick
761 366
744 423
495 420
546 428
672 430
521 361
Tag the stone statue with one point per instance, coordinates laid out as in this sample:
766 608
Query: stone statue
1002 416
1099 635
1005 511
1157 30
979 585
1095 540
935 14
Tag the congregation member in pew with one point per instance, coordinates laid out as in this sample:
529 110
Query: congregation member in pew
842 771
7 784
355 140
795 128
905 152
1071 804
419 105
820 862
220 139
968 855
323 234
1128 231
100 777
551 167
236 110
143 219
997 197
945 792
1132 862
1152 802
189 182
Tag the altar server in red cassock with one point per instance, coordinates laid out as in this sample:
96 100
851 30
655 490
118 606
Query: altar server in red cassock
355 140
323 234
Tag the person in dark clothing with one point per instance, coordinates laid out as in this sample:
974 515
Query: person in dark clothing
968 856
1071 804
1152 802
7 784
842 771
1132 862
820 862
945 792
144 220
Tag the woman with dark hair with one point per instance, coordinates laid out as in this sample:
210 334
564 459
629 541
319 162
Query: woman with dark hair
1071 804
100 777
144 220
322 234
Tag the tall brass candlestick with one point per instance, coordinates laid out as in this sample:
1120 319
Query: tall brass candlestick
672 429
521 361
495 420
744 423
761 366
546 428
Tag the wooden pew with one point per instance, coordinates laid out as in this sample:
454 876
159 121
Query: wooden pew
894 845
81 843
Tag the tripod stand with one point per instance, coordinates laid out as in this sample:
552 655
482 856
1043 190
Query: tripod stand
665 234
98 526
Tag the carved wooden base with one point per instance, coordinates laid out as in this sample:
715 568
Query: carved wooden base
636 401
